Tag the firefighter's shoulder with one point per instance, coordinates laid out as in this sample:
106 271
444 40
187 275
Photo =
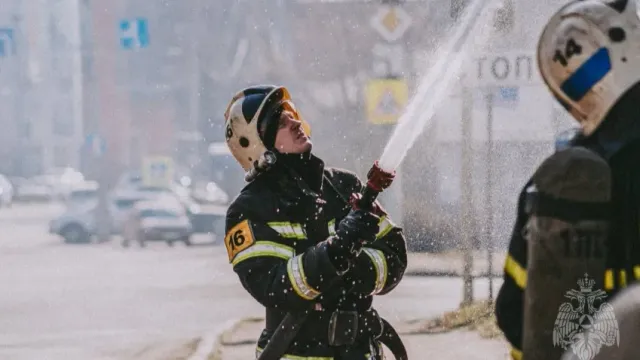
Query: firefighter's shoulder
255 229
345 180
239 229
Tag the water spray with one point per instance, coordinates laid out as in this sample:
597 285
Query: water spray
433 88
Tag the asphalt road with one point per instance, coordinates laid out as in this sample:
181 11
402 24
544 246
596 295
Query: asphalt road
104 302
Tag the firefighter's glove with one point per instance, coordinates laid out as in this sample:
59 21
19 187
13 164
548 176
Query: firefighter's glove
356 229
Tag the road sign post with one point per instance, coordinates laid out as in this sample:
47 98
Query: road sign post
387 94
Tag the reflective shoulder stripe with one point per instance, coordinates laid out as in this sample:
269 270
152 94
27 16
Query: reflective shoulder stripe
609 283
515 354
608 279
332 227
298 233
288 230
622 278
516 271
293 357
380 264
385 226
264 248
295 271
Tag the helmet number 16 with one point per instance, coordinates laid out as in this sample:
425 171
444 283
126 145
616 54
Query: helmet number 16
571 48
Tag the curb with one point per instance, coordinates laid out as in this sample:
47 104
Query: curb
453 274
210 342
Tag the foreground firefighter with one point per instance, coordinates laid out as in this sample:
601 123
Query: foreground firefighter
295 241
576 240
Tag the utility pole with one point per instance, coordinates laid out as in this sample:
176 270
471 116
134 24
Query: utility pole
466 212
489 191
114 120
194 86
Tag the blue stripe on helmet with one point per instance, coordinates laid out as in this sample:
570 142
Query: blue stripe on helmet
587 75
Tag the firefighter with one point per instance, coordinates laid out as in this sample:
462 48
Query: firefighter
589 59
296 243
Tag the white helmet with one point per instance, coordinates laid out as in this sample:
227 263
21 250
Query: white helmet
589 56
249 129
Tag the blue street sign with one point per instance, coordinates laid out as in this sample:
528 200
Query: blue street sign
96 144
134 33
7 43
507 96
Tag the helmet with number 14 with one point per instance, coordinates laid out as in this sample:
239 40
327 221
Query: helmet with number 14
589 57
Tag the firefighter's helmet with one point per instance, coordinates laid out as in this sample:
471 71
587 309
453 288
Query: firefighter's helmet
589 57
251 121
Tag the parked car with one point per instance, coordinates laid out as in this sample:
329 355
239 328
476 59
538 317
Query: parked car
81 193
63 181
209 193
78 222
159 220
34 189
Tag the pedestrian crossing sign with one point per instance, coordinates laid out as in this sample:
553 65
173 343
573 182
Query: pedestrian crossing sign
386 99
157 172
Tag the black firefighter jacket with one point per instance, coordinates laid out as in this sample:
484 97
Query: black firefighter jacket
271 228
623 259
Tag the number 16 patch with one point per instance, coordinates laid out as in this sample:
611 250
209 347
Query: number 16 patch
238 238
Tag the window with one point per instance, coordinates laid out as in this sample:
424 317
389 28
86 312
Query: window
61 156
62 121
123 204
157 213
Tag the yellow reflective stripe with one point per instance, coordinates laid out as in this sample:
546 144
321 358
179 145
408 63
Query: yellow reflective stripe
264 248
380 264
288 230
298 280
608 279
293 357
385 226
515 354
297 231
622 276
516 271
332 227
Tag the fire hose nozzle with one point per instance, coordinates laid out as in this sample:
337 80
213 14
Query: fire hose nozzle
377 181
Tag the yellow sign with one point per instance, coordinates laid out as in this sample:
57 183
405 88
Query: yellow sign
386 100
391 22
238 238
157 171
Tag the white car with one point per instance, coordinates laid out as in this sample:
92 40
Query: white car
33 189
161 220
78 223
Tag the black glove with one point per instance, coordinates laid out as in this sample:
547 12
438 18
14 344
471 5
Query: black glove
357 228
